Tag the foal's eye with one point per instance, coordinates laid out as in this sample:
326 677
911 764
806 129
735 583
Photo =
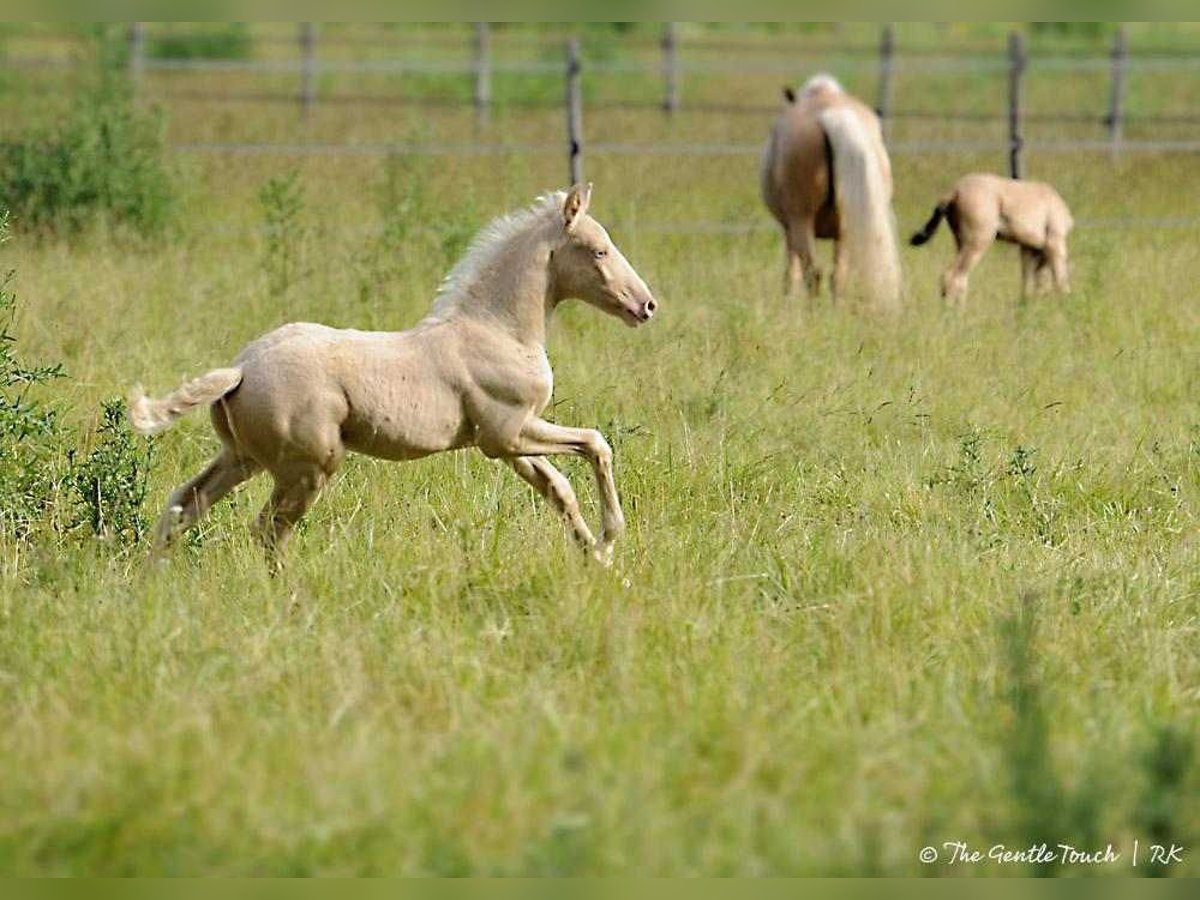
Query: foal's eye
599 254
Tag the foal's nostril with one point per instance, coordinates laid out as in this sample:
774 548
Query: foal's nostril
651 305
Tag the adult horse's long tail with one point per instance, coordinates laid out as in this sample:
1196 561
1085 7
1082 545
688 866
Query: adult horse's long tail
150 416
862 189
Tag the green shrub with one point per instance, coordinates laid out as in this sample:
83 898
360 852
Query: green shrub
112 482
30 439
229 42
282 200
104 161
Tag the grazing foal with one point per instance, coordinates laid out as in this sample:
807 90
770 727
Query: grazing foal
983 208
474 372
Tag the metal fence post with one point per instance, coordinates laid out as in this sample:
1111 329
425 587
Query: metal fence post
1016 69
483 69
308 66
1116 102
670 48
887 50
574 113
137 52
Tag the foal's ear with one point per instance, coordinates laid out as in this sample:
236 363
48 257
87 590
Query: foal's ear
576 205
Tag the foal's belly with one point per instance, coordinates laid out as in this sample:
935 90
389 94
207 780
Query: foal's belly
406 422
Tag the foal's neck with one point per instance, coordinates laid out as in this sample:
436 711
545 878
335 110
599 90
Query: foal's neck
513 290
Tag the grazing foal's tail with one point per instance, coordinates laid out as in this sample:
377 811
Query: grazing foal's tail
926 232
861 175
150 416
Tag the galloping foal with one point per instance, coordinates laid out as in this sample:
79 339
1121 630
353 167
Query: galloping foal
474 372
983 208
826 174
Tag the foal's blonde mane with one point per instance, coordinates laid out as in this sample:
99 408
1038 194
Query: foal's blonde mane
490 242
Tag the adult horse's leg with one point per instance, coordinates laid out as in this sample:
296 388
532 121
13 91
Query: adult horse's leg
553 485
1056 254
541 438
800 242
841 270
296 487
191 500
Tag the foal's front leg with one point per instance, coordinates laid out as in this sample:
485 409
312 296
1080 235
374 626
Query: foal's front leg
553 485
538 437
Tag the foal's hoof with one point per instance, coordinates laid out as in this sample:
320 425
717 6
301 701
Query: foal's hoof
603 554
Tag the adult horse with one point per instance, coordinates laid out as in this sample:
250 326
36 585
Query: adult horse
474 372
826 174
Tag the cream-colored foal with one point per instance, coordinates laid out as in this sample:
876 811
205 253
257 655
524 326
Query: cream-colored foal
473 372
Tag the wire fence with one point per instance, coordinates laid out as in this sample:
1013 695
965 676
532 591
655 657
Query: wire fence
671 61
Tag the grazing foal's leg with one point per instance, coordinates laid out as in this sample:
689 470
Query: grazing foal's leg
1031 263
954 282
191 500
1056 255
553 485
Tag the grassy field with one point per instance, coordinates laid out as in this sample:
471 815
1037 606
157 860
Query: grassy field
886 584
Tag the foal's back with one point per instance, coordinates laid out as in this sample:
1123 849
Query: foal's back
1029 213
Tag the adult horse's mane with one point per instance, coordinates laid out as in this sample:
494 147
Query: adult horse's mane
489 243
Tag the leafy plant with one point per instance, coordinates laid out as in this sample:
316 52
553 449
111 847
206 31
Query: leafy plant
282 200
111 483
105 161
29 429
231 41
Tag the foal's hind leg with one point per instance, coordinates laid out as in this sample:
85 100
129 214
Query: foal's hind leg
296 487
1056 254
191 500
553 485
954 281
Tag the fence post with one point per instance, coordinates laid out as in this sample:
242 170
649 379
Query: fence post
887 50
137 52
483 69
1116 102
308 66
670 48
574 113
1016 69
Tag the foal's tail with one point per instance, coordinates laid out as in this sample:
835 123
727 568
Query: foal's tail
862 189
926 232
150 416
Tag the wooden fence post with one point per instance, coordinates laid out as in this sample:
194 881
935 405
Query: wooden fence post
670 48
308 66
574 113
483 69
137 52
887 50
1016 69
1116 102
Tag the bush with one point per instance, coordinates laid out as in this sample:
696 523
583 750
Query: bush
30 439
105 161
229 42
111 483
282 201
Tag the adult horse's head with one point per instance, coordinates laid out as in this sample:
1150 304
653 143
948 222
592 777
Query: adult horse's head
585 264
